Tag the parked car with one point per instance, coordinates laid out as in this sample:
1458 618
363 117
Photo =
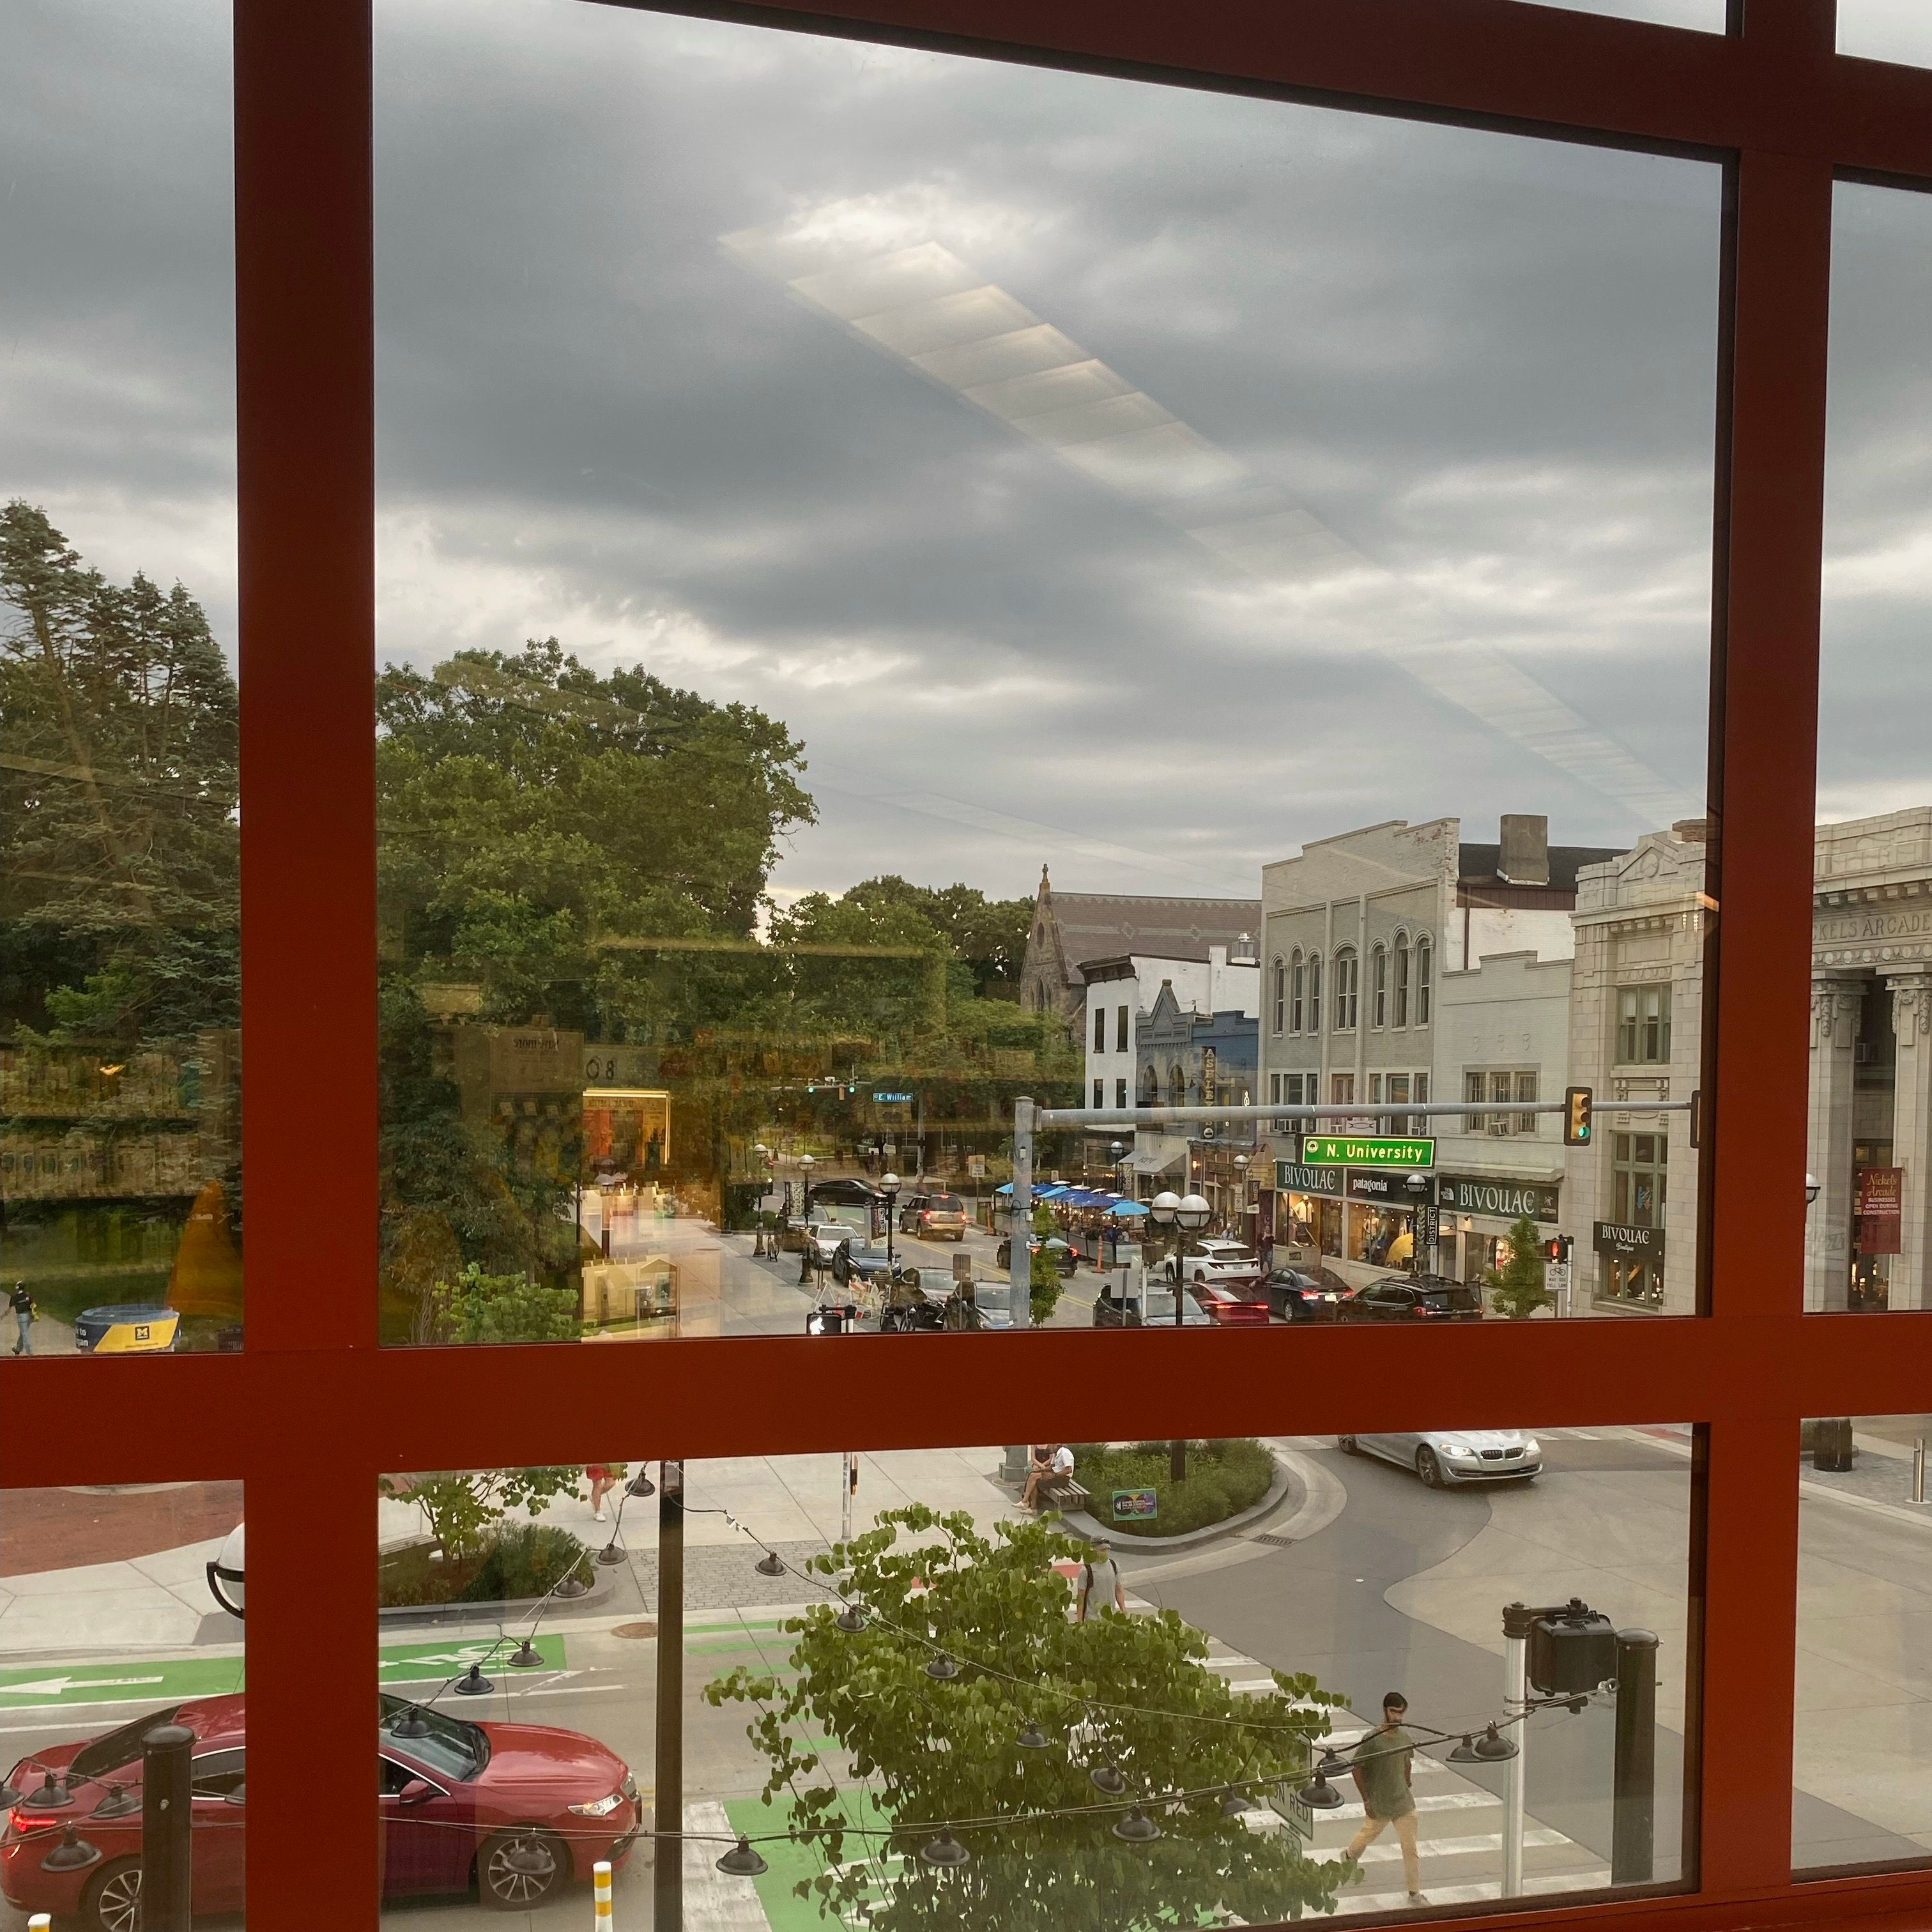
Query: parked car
1295 1295
1210 1258
935 1217
855 1258
1239 1307
823 1239
518 1811
1412 1298
1154 1308
1445 1459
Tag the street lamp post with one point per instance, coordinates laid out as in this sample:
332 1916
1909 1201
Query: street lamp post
1416 1188
889 1182
1190 1215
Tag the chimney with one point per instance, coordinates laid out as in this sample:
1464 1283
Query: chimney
1525 860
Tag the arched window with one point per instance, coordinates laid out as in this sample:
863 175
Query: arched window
1298 979
1315 992
1149 1087
1280 995
1378 986
1425 973
1402 979
1177 1086
1346 989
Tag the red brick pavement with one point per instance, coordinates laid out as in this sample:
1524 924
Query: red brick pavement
55 1529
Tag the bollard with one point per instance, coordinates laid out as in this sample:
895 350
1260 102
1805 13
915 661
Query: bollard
1633 1780
167 1815
40 1922
1919 1472
600 1875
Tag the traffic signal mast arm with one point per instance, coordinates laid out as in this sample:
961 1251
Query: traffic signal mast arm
1340 1110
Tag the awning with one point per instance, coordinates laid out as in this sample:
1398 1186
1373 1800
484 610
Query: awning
1155 1162
1126 1208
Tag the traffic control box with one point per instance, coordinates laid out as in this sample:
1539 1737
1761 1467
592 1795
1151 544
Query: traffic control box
1572 1650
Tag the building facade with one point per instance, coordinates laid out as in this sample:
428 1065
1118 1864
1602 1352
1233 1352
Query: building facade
1120 992
1190 1058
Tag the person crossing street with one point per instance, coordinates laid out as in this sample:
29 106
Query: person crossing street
1383 1771
22 1302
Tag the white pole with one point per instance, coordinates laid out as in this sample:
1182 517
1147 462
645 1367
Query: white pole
600 1874
1019 1270
848 1478
1515 1698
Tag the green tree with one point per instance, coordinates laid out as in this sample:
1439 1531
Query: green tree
464 1505
119 838
1134 1693
989 935
1044 1283
1516 1289
480 1307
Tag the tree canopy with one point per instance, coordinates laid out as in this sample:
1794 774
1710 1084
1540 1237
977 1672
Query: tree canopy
921 1755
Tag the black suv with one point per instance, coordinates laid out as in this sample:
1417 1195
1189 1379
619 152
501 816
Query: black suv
1421 1298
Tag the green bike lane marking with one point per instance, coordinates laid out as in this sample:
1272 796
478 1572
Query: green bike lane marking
790 1860
42 1686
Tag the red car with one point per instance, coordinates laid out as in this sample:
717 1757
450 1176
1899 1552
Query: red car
516 1810
1237 1305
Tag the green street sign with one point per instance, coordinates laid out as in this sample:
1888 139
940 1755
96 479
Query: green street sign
1366 1151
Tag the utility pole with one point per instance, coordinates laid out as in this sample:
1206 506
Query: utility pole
1516 1620
167 1818
1633 1785
668 1861
1019 1271
848 1481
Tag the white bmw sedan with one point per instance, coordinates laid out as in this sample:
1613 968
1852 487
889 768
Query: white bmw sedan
1447 1459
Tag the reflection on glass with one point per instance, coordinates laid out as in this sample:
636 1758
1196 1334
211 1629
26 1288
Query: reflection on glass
120 1148
1862 1762
1708 15
1887 30
1868 1233
120 1667
881 621
1015 1686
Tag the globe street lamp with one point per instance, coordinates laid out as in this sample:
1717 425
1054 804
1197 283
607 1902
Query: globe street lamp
1161 1211
889 1182
1417 1187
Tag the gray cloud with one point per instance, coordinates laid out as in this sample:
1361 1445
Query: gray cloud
1486 363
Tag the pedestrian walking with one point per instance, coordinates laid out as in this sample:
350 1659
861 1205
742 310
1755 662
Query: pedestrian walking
22 1303
603 1477
1102 1590
1383 1773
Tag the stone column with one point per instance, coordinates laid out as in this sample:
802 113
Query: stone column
1836 1000
1912 1134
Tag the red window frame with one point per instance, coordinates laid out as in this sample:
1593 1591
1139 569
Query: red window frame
313 1408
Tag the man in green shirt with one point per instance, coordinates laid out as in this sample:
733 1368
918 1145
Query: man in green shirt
1382 1769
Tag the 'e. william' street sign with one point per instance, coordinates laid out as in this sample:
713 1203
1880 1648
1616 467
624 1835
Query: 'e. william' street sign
1367 1150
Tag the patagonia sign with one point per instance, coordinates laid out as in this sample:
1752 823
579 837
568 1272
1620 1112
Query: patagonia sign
1506 1200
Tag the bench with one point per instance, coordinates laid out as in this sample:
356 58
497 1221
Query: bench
1064 1493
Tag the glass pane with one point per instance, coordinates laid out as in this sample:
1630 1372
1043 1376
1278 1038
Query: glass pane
1871 988
120 1147
1707 15
1888 30
111 1631
1863 1795
858 478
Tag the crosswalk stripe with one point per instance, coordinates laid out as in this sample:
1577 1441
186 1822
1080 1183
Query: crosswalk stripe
1590 1879
1539 1839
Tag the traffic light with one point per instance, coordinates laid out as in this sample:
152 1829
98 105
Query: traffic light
1576 1117
1557 1248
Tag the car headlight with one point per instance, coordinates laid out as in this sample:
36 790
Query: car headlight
629 1786
1532 1448
599 1808
1461 1451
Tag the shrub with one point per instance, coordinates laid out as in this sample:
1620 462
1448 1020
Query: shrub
1223 1478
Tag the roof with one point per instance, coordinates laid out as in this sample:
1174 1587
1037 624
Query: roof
1109 925
1479 865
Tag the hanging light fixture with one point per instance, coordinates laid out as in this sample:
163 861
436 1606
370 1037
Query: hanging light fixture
850 1620
1107 1777
53 1795
572 1585
1137 1828
770 1565
120 1799
473 1684
945 1850
411 1724
1032 1738
1463 1753
1319 1793
1493 1748
942 1667
73 1853
613 1552
742 1861
640 1485
1234 1804
526 1656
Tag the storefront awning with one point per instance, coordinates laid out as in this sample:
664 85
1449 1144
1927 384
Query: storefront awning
1154 1161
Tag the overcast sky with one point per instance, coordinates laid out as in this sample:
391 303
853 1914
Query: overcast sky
1479 369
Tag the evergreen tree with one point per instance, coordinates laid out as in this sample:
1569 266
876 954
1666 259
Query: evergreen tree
1516 1289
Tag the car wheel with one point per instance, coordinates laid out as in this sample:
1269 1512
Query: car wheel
1200 1279
518 1869
1429 1469
112 1899
1348 1445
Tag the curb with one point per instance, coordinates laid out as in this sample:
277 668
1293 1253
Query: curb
1123 1542
412 1616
